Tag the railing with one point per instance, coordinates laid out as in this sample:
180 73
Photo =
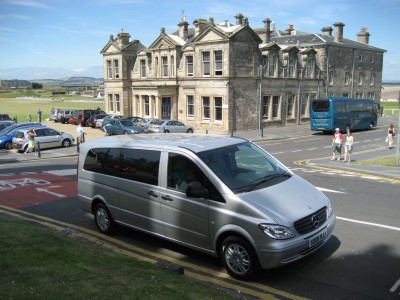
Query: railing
391 111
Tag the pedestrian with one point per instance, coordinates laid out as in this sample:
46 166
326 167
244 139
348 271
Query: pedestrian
39 113
348 146
390 134
31 143
29 118
15 120
80 132
337 144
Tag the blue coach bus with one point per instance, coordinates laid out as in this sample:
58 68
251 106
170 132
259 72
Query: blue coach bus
326 114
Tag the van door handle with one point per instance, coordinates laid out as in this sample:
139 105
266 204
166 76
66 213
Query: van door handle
152 193
167 197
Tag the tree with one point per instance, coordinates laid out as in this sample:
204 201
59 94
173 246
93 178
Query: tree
36 86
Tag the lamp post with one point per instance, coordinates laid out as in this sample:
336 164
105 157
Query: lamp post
260 70
398 140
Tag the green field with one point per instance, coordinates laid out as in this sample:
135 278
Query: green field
12 104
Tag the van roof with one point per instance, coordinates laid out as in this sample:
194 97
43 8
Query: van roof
193 142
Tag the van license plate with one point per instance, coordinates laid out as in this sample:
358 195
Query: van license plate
320 236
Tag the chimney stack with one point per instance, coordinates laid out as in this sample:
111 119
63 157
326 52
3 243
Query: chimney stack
363 36
327 31
199 26
267 27
338 32
239 19
123 38
183 29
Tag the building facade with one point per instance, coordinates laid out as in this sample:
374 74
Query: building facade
226 77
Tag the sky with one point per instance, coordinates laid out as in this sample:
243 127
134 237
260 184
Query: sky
48 38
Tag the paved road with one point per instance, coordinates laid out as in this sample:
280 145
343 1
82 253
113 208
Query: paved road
268 134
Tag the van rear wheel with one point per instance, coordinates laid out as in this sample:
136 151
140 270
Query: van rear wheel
239 258
103 219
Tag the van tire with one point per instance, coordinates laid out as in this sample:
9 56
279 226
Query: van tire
103 219
239 258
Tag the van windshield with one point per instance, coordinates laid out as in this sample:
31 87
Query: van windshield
244 167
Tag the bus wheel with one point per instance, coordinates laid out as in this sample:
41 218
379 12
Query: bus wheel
371 125
347 128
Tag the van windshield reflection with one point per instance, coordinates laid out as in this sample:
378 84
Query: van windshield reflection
244 167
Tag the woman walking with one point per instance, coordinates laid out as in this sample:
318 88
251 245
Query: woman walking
31 143
348 146
391 134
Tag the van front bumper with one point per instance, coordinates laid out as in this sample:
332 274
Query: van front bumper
287 251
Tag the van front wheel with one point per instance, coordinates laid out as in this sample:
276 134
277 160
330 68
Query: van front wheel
103 219
239 258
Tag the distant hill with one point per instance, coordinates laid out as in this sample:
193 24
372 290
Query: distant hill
33 74
70 81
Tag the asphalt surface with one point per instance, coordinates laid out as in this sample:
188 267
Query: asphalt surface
276 133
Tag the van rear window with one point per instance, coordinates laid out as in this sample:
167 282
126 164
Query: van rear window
133 164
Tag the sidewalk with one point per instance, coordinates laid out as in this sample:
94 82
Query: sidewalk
275 133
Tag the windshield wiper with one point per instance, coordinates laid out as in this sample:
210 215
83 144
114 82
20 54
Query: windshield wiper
268 178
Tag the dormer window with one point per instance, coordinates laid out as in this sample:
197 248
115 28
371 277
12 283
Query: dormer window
189 65
143 68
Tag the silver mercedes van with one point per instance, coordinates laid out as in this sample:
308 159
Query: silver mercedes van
221 195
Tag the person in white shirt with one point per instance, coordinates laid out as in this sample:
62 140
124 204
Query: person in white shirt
80 132
337 144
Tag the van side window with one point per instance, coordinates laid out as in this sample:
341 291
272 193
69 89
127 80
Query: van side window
140 165
181 171
102 160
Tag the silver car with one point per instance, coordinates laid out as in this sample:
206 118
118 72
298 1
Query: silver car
46 138
169 126
224 196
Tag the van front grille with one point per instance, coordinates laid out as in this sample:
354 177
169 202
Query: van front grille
311 222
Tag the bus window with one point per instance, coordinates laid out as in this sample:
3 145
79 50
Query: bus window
320 105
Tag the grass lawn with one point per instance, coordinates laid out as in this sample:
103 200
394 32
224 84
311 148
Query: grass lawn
39 264
43 99
389 161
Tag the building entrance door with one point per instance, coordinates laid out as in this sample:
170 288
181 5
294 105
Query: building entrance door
166 108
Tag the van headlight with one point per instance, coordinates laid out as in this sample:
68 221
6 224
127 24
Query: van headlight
276 232
329 210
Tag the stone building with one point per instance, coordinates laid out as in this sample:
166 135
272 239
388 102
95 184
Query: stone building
223 77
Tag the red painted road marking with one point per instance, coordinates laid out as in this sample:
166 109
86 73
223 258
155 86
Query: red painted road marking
25 190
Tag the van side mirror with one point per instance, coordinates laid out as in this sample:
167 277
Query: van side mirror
196 190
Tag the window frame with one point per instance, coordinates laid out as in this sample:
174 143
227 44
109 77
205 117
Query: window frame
206 63
218 63
206 108
190 106
189 66
218 109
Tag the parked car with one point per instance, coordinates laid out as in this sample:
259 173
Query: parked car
65 115
224 196
140 122
47 137
4 117
6 140
81 116
55 114
18 125
122 126
168 126
93 119
102 122
4 124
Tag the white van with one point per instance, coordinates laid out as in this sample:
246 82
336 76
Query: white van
224 196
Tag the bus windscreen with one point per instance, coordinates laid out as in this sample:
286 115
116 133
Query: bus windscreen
320 105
